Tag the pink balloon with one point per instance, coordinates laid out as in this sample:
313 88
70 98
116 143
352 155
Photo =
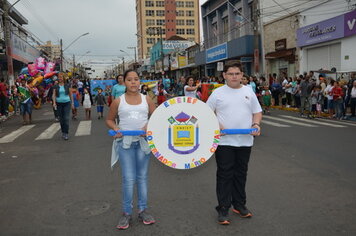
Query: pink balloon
40 63
32 70
49 67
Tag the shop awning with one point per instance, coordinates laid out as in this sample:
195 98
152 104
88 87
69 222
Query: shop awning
279 54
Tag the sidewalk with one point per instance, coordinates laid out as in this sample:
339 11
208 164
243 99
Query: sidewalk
324 115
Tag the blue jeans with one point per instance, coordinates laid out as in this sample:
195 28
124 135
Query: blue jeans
134 169
339 107
63 110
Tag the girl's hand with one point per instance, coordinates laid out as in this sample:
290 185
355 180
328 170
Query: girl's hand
258 132
118 134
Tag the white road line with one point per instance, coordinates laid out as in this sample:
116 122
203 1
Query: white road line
288 121
15 134
314 122
84 128
47 113
49 132
338 122
274 123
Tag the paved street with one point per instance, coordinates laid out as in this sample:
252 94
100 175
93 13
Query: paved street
301 181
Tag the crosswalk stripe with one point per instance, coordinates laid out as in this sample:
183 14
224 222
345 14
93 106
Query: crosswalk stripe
288 121
274 123
13 135
313 121
84 128
49 132
337 122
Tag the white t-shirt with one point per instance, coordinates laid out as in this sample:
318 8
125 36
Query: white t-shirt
80 84
328 91
234 109
192 94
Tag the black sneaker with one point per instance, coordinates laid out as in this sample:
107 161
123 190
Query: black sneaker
146 218
223 215
124 221
242 211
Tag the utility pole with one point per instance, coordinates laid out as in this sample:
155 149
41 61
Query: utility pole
61 44
73 64
123 64
7 32
255 9
162 54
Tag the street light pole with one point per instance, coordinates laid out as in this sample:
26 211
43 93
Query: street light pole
62 50
134 48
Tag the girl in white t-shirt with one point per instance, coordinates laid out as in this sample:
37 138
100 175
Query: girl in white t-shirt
189 89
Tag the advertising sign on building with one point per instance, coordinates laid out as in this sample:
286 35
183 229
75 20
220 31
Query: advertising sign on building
334 28
22 51
177 44
216 53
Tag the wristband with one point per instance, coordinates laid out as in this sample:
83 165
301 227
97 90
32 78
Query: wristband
255 124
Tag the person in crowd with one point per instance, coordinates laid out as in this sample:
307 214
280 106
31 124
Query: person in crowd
190 90
266 100
328 94
338 94
161 94
3 97
15 99
144 89
24 92
119 88
87 102
100 102
233 152
75 99
315 100
246 82
180 86
304 96
353 98
296 93
80 87
62 101
288 90
252 84
132 152
276 91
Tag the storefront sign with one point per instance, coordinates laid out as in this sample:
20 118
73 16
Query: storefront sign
216 53
177 44
280 44
22 51
350 23
183 133
334 28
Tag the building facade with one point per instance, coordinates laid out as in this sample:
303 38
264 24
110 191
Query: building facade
171 17
53 51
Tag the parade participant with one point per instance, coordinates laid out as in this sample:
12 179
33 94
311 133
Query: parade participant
62 101
25 102
119 88
75 95
233 152
161 94
144 89
100 102
267 100
87 102
132 152
189 89
179 91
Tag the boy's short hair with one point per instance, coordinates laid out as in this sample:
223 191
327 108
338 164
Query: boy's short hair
229 65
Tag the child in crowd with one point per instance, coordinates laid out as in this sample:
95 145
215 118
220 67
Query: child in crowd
100 101
75 94
87 102
316 98
144 89
267 99
161 94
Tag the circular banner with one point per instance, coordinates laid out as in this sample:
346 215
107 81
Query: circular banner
183 133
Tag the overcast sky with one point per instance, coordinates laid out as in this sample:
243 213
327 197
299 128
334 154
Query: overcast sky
111 25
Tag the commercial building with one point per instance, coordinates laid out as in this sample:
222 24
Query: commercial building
228 36
53 51
169 17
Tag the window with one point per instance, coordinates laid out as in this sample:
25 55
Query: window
150 13
150 40
189 4
180 31
180 13
148 50
160 13
179 3
149 4
191 39
190 22
163 31
225 23
160 4
150 22
180 22
190 13
160 22
190 31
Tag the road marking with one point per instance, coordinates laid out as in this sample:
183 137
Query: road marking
313 121
49 132
274 123
47 113
84 128
289 121
13 135
338 122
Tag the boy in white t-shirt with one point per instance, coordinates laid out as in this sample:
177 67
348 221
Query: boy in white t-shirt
236 107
